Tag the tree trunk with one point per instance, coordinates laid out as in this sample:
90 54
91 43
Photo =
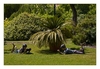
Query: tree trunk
54 46
74 14
54 9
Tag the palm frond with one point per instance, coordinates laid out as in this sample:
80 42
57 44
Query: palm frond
46 37
52 35
53 23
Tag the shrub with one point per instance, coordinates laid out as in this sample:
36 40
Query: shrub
86 30
22 27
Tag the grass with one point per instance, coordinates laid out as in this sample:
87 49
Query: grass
45 57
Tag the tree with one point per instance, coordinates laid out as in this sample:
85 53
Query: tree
54 9
92 9
51 36
74 14
36 9
10 9
82 8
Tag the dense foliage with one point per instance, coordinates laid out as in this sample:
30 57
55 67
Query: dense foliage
86 30
9 9
21 21
22 27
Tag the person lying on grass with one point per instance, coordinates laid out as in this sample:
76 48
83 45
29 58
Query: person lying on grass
23 49
64 50
14 49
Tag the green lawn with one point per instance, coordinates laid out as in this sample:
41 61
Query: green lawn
45 57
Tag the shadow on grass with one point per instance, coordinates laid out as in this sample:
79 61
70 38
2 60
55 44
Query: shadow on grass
29 53
75 48
51 52
46 52
7 49
6 52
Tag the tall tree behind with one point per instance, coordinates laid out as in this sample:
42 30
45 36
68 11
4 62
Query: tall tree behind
9 9
74 14
54 9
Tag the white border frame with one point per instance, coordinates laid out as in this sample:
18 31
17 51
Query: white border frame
48 2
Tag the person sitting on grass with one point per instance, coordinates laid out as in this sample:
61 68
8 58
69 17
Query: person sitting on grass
64 50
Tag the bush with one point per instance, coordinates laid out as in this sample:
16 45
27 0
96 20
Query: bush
67 30
86 30
22 27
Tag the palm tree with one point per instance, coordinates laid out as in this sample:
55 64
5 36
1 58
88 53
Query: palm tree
51 36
